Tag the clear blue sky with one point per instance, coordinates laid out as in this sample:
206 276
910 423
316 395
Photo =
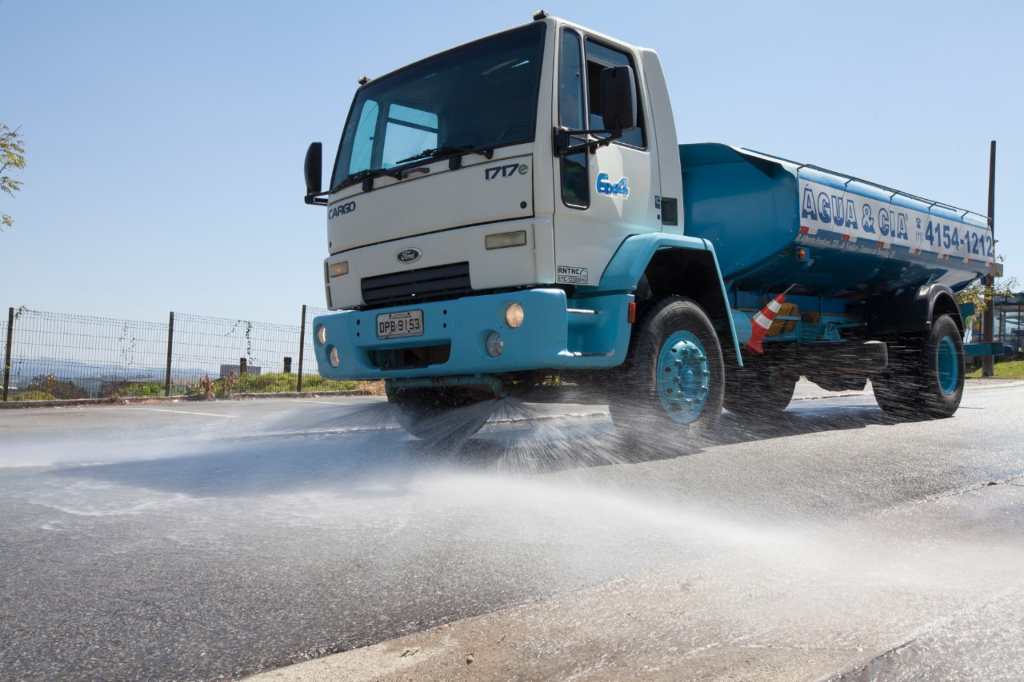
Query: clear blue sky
165 140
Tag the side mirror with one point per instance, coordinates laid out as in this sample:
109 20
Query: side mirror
618 99
314 171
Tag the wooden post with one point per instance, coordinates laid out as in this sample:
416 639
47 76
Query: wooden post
7 351
302 348
170 349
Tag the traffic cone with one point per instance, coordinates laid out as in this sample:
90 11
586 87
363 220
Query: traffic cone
762 322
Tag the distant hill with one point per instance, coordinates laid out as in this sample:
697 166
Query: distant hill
90 376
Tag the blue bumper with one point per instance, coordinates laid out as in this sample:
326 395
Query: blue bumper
557 333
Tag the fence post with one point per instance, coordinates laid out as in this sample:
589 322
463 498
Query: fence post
302 347
7 351
170 347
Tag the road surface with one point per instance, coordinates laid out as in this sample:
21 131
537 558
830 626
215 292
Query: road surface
218 540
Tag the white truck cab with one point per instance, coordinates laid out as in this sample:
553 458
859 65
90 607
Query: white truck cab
467 136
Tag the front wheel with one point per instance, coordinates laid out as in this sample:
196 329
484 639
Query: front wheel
674 376
925 379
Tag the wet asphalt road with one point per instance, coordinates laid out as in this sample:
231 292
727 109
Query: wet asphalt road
214 540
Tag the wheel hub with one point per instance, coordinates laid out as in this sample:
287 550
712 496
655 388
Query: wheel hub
948 366
684 377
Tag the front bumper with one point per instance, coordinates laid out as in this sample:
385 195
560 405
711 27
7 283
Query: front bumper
557 333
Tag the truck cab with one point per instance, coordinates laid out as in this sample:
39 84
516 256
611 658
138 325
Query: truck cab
511 210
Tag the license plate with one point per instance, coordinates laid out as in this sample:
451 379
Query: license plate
392 325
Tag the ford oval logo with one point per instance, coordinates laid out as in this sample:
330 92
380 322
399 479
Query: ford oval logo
406 256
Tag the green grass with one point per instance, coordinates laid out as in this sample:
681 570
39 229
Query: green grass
31 394
283 383
1013 369
247 383
136 389
140 389
274 383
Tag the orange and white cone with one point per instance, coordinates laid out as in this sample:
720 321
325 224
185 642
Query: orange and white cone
762 322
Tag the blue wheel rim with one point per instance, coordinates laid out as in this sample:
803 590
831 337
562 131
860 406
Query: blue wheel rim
948 366
684 377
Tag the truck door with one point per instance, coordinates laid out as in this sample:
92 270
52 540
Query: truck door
602 197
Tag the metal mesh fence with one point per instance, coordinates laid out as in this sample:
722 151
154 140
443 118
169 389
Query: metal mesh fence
215 346
56 355
69 356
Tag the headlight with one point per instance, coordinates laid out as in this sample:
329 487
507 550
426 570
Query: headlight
321 334
494 344
339 269
333 356
514 315
503 240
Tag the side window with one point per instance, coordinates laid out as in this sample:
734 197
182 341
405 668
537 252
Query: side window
362 142
599 57
407 133
571 111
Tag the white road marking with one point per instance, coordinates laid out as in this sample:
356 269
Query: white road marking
197 414
316 432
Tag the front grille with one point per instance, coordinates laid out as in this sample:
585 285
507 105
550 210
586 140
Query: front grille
410 286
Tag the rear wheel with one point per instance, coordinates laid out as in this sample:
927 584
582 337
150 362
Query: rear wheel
441 415
674 376
925 377
759 392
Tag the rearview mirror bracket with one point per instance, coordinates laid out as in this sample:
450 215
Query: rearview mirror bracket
563 144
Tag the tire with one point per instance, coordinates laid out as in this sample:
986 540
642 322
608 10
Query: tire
674 375
759 392
925 379
440 416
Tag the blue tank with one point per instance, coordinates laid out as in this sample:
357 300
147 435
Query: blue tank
776 223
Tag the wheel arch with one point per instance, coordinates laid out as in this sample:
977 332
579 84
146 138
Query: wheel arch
657 265
944 303
912 311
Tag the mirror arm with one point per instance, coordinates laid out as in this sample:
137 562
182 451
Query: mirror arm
563 145
317 199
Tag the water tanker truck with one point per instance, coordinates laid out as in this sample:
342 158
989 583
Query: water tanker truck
517 212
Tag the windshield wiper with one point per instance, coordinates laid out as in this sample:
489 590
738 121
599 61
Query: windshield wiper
449 150
362 176
367 175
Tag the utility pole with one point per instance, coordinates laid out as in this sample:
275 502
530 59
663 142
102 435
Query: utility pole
990 280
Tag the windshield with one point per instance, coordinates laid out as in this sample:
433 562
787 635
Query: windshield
481 95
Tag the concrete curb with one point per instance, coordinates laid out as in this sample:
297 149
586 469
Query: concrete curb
143 400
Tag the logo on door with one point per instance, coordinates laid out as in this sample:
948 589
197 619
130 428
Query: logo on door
613 189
